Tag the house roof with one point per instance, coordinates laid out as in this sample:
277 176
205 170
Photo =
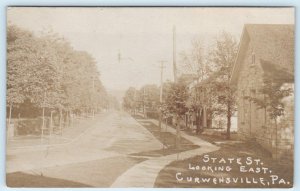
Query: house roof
273 43
275 72
213 77
187 78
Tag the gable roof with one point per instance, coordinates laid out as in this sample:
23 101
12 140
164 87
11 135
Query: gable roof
272 42
276 73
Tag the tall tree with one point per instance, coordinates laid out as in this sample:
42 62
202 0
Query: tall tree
129 100
223 57
176 105
176 99
48 72
194 61
17 41
150 95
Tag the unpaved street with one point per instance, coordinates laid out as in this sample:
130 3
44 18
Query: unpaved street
100 152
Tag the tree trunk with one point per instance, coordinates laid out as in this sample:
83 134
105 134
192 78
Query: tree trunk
276 139
209 123
204 119
43 125
186 120
9 121
166 124
51 124
198 121
9 117
228 121
71 118
67 122
60 120
160 118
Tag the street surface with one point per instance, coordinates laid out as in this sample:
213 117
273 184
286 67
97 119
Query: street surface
92 156
99 156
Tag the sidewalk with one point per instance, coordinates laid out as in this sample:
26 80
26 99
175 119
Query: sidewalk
68 134
144 174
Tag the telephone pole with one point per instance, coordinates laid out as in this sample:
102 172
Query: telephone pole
161 90
175 80
174 54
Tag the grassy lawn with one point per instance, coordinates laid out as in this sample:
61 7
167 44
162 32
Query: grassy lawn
101 172
167 139
20 179
167 176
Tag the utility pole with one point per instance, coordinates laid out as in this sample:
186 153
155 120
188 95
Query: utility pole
175 80
161 89
174 54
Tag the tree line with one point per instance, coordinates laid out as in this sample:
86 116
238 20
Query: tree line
45 73
204 91
209 97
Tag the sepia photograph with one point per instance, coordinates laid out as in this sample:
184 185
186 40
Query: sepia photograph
150 97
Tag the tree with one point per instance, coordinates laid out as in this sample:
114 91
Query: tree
150 94
222 58
129 100
176 105
194 61
16 40
46 71
273 91
32 69
204 100
176 99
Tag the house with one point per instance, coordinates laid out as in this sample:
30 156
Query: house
265 51
201 106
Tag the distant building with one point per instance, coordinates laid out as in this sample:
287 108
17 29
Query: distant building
265 50
200 96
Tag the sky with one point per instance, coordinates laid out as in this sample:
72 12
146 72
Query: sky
142 36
